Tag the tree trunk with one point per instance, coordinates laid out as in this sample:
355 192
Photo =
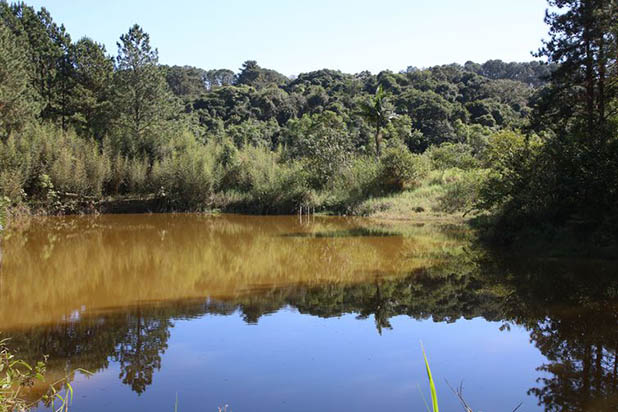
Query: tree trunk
378 142
602 73
589 63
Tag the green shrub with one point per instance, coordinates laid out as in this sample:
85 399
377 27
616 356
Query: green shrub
270 184
324 143
185 174
14 168
354 184
5 202
461 190
448 155
401 169
510 156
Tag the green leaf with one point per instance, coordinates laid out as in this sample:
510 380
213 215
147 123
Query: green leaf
434 396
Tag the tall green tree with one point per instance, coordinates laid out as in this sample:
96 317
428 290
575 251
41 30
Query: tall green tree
144 102
323 140
583 41
18 102
48 52
378 112
93 72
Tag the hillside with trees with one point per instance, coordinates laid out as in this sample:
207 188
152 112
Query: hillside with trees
532 144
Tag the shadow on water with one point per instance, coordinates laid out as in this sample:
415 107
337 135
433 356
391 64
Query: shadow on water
568 308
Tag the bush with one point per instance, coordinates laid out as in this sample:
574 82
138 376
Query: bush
461 190
401 169
449 155
324 143
354 184
510 156
185 175
270 185
14 169
5 202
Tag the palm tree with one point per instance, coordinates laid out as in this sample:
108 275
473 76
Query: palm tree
378 112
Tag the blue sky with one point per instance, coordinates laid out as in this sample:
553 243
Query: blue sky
299 36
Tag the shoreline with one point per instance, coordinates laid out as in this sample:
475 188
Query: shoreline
526 244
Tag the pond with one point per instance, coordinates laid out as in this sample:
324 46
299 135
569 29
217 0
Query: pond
285 314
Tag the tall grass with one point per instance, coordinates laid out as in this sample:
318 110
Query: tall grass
43 166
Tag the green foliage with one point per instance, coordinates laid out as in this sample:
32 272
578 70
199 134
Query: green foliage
583 43
185 174
16 375
18 102
355 183
77 123
77 166
461 190
143 102
252 74
15 165
323 141
448 155
474 135
5 202
263 183
378 112
431 114
91 96
510 156
254 132
401 169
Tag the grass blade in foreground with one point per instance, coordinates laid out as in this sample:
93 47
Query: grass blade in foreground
434 396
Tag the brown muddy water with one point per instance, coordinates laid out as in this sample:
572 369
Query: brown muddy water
277 314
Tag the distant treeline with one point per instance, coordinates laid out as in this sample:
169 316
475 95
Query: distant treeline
544 133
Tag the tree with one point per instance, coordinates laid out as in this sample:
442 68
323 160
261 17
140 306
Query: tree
143 100
430 113
218 78
49 48
93 73
583 41
186 81
47 52
323 140
252 74
378 112
18 103
139 352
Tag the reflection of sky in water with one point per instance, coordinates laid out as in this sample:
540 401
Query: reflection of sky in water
298 362
103 293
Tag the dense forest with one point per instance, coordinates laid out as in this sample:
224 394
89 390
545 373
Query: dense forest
523 145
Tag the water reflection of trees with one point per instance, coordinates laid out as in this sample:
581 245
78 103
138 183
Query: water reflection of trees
136 338
572 318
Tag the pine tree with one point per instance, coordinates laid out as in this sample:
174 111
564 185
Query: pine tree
144 102
91 102
17 98
583 42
